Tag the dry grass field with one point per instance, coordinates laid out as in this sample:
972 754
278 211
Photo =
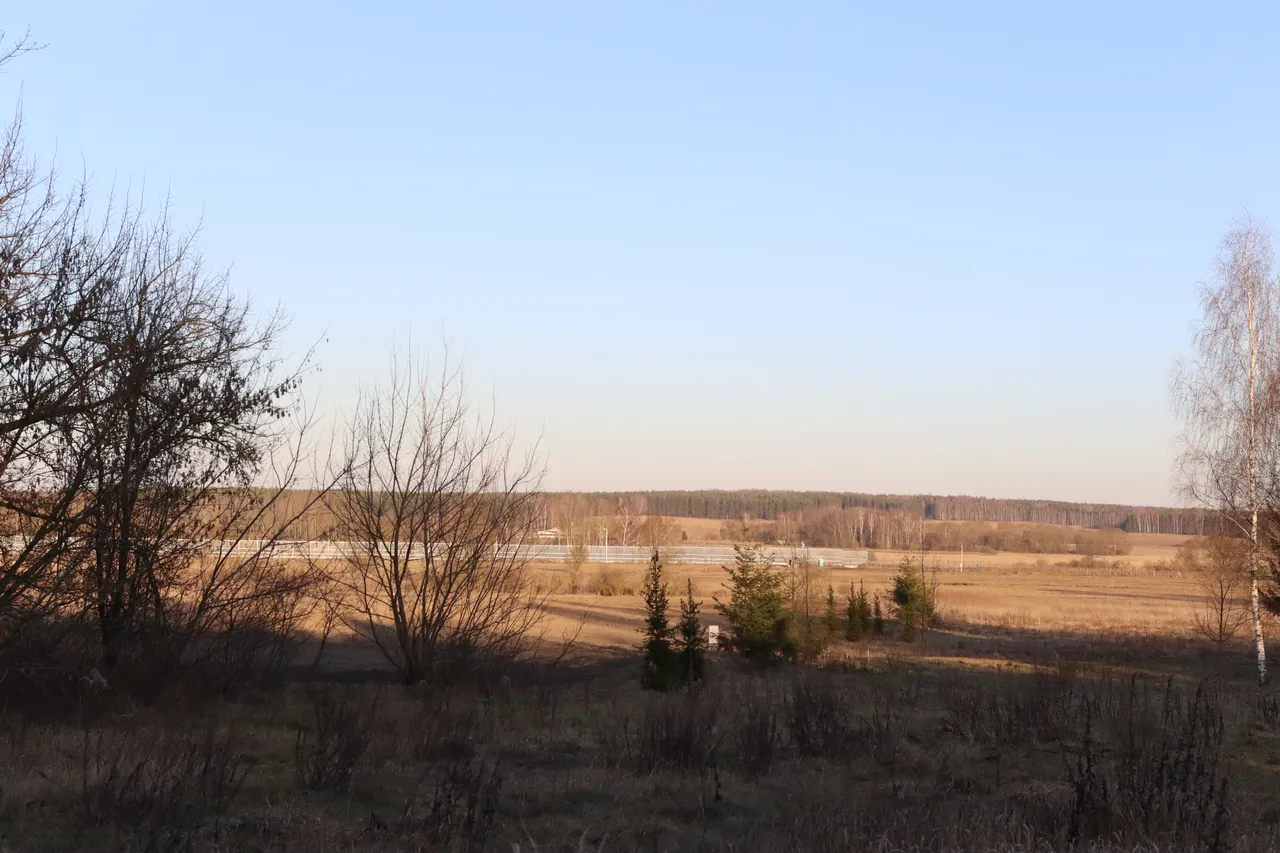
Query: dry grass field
1143 548
884 747
1054 707
1048 595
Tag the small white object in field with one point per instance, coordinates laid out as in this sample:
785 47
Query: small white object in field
713 636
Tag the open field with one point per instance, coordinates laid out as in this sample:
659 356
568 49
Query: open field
1010 559
1042 713
1156 546
1114 596
1141 546
1154 543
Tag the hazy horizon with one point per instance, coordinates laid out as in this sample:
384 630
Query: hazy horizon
937 251
1041 499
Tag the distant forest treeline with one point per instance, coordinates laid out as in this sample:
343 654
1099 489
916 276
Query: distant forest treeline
774 505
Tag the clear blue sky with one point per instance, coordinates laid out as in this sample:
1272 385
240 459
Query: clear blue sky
904 247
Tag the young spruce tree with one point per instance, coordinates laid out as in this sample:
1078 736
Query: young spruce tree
757 608
913 601
692 639
659 657
858 614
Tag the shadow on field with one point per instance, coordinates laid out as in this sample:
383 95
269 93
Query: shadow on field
358 661
976 739
1066 650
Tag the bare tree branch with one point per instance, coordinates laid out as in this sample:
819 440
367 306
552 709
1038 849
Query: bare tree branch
441 505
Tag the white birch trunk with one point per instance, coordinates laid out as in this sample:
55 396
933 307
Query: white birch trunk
1258 641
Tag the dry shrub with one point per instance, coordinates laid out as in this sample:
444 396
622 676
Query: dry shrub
1142 764
158 775
44 674
614 581
453 806
327 751
1161 779
830 721
883 732
820 717
1010 710
448 727
757 733
672 731
1266 711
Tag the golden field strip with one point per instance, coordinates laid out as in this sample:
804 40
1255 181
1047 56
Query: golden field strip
966 741
1139 593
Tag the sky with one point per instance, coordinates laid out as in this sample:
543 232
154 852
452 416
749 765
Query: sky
912 248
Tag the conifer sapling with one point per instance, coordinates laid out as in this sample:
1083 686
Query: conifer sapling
659 658
692 638
756 610
831 621
859 614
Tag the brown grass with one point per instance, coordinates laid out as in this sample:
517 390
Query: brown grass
1037 716
888 747
1124 596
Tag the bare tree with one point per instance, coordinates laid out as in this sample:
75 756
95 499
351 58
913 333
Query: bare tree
656 531
439 506
141 406
1226 395
575 560
1219 565
53 284
192 407
52 262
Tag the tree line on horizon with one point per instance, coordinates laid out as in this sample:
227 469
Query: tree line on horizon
873 529
583 522
771 505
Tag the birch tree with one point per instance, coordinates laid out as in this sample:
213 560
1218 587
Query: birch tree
1226 395
627 521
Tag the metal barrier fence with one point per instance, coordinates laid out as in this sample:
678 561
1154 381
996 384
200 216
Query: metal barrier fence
700 554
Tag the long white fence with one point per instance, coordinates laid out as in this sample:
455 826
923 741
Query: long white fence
706 554
322 549
702 554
